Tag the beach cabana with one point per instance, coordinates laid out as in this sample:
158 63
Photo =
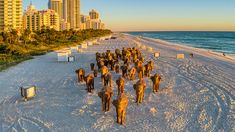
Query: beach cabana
84 46
74 49
62 56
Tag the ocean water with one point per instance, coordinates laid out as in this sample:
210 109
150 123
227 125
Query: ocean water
223 42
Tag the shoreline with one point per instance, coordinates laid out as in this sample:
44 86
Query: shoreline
200 51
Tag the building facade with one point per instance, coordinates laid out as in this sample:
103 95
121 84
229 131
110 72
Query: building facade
57 6
36 20
92 21
71 9
94 14
10 15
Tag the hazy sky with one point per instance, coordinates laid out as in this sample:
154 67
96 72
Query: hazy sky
160 15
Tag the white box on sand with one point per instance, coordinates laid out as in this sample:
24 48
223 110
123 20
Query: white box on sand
71 58
84 46
157 54
28 92
62 56
180 56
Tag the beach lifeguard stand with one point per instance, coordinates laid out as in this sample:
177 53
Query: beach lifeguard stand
28 92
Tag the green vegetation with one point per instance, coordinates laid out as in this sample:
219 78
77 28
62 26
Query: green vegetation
15 47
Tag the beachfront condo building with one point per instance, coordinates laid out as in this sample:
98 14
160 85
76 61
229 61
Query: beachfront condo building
35 20
10 15
71 10
57 6
94 14
92 21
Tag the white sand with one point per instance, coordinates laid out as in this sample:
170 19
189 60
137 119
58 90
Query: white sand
195 94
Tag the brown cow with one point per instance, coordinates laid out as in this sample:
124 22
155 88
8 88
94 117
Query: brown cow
81 74
90 82
124 70
121 104
156 79
106 96
103 71
151 63
117 68
108 79
140 88
147 70
120 83
132 73
141 71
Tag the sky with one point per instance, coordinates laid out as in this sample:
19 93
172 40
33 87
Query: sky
159 15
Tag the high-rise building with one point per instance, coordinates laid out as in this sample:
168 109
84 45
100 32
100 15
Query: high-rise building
10 15
92 21
72 13
94 14
35 20
57 6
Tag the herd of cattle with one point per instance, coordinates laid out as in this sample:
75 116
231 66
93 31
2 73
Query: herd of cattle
129 61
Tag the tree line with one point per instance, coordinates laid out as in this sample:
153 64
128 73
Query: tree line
16 46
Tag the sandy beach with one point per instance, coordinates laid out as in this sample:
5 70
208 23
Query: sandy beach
196 94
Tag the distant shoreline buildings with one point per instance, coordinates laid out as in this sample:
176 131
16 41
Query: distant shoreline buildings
10 15
60 15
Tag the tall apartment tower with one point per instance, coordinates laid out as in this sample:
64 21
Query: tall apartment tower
94 14
72 13
57 6
10 15
35 20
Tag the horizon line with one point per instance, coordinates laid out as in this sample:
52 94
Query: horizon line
174 31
